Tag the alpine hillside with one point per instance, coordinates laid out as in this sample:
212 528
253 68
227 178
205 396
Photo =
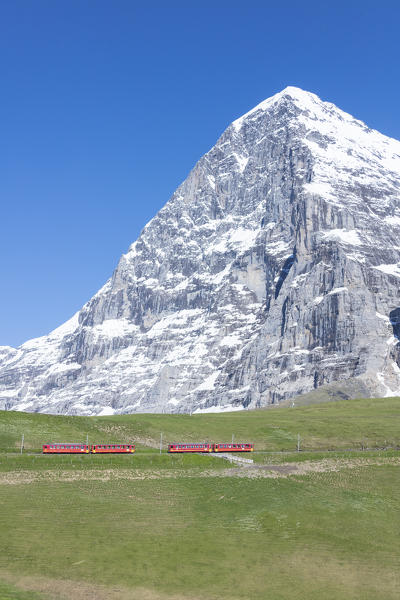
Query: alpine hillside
274 269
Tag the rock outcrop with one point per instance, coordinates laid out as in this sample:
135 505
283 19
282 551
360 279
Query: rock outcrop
274 269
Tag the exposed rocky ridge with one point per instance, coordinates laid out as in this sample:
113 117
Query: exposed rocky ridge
274 269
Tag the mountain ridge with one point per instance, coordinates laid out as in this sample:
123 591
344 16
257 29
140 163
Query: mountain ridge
248 286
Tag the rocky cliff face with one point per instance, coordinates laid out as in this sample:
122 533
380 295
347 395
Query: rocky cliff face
273 269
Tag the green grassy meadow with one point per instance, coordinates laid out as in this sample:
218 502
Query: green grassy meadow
334 425
160 527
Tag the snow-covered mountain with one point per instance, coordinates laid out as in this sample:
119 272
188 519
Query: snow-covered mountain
273 269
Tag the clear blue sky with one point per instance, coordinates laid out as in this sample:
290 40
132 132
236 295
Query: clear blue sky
107 105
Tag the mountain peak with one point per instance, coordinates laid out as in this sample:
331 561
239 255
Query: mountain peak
272 270
300 97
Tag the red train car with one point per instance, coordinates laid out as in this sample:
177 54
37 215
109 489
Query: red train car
112 448
189 448
233 447
64 448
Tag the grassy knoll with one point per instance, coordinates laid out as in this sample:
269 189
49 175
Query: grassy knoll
273 458
160 527
331 535
344 424
17 462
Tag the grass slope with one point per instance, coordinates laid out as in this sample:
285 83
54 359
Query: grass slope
332 535
344 424
160 527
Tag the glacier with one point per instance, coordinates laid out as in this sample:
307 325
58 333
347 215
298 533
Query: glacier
272 271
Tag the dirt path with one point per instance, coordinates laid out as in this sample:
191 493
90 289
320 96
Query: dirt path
250 471
58 589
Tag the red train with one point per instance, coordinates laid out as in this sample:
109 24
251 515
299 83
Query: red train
190 448
113 448
243 447
107 448
64 448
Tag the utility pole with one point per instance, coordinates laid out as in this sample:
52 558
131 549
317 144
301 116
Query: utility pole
298 442
160 442
87 439
233 437
22 442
